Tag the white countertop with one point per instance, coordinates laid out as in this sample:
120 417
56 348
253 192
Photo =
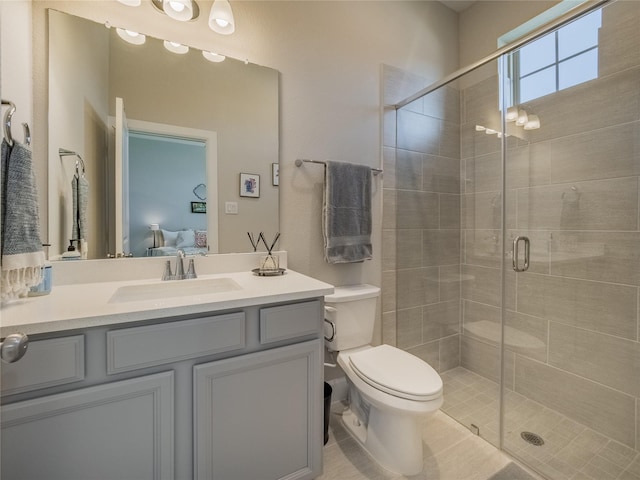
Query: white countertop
87 305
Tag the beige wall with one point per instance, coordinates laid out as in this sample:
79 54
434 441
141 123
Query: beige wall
16 67
78 80
484 22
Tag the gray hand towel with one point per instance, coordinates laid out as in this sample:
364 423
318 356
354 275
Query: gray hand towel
80 194
22 260
347 213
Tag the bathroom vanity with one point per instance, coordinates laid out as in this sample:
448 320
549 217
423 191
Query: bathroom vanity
222 385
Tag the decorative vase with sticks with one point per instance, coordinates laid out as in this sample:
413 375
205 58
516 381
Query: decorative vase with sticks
271 262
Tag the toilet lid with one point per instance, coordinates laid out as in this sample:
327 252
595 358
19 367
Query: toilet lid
397 372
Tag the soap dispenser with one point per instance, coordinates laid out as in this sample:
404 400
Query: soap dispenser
71 253
44 287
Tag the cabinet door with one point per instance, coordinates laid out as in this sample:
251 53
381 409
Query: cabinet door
259 416
122 430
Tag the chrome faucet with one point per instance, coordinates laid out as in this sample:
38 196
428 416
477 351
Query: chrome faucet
179 265
179 275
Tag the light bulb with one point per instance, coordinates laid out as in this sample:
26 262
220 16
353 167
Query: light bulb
512 114
533 123
175 47
181 10
213 57
522 118
177 6
221 17
130 36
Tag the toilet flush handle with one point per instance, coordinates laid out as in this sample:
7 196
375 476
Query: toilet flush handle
329 322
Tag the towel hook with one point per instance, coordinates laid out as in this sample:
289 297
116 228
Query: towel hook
27 133
7 124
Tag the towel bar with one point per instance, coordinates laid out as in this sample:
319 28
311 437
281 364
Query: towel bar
376 171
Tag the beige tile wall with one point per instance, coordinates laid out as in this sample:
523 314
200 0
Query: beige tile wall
421 236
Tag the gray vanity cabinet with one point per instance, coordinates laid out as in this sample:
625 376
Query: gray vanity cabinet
121 430
256 416
219 396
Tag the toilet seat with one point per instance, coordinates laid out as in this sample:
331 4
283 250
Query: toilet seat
397 373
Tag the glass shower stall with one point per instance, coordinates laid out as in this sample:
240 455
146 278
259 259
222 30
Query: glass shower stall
512 243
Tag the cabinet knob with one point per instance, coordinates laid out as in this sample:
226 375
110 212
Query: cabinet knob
13 347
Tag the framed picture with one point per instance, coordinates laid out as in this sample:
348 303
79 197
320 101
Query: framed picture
249 185
198 207
275 174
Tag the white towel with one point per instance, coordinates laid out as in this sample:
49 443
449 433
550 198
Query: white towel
347 213
22 260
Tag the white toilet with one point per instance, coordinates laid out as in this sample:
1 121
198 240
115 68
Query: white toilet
390 390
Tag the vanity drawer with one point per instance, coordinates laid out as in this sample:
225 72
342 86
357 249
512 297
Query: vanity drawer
147 346
55 361
290 321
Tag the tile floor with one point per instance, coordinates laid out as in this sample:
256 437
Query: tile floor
571 451
451 452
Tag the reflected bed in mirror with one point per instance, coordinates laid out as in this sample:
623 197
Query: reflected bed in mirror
231 101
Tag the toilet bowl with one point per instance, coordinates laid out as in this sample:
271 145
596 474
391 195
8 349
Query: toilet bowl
390 390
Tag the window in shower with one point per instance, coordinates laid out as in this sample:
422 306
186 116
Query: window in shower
562 59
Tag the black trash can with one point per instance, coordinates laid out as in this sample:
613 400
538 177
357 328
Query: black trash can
327 410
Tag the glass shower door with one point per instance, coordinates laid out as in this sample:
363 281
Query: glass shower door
472 390
571 357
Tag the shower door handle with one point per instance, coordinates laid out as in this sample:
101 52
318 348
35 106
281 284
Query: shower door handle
527 250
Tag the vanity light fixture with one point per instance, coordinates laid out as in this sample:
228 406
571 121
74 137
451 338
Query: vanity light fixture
175 47
533 123
221 18
490 131
130 36
131 3
522 118
512 114
181 10
213 57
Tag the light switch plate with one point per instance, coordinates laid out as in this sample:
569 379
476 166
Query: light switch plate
231 208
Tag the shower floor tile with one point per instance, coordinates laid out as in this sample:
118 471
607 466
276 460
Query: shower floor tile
570 451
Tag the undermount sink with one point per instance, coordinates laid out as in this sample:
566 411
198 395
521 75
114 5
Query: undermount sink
173 289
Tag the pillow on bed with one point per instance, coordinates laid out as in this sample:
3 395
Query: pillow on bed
170 238
186 238
201 239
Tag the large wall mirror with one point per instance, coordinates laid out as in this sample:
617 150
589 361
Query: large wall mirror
177 151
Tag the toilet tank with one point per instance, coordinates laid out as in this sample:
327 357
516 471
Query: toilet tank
352 309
